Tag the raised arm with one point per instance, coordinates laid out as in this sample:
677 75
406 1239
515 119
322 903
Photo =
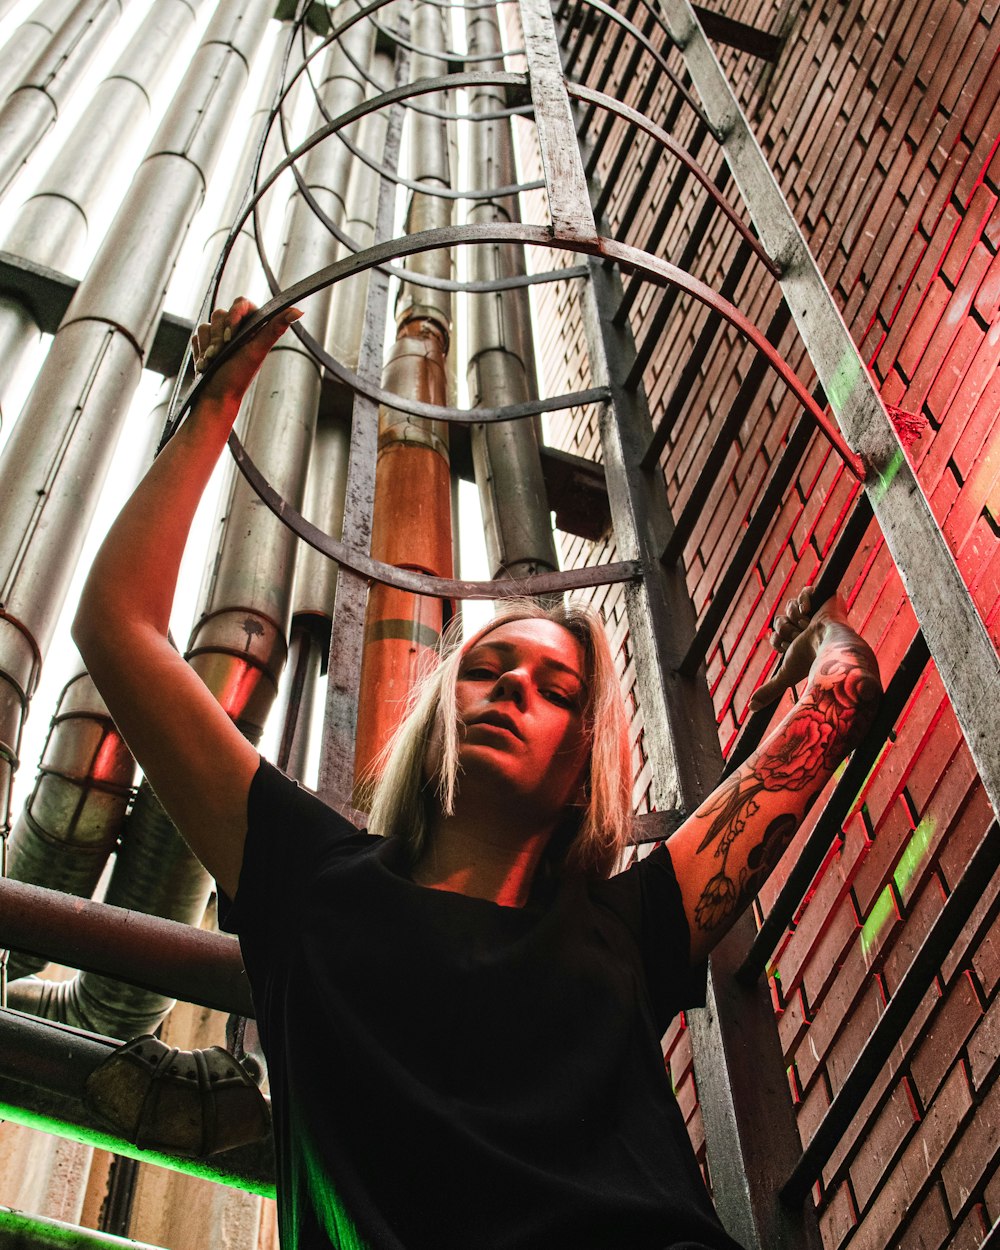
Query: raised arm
196 760
725 851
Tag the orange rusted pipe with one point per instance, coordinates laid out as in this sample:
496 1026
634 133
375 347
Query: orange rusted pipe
411 528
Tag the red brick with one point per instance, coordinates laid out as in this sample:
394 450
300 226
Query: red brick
971 1231
976 215
932 763
986 960
906 1183
920 916
891 838
946 1034
931 1224
810 1111
885 1138
973 930
839 1216
857 1029
975 1155
984 1045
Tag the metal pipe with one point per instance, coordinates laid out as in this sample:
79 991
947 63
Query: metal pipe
28 40
162 955
73 197
20 1231
243 274
238 646
411 525
501 368
74 817
58 453
155 873
42 1084
31 109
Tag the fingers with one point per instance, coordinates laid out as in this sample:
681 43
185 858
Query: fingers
796 618
212 336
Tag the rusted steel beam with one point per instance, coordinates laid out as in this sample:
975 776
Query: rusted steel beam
161 955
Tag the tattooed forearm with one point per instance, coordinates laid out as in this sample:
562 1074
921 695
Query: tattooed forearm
826 724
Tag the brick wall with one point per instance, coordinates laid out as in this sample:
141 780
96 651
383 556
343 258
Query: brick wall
882 123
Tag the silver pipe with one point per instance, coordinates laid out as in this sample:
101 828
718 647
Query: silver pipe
154 873
52 227
428 162
239 642
31 109
506 460
58 454
28 40
350 295
243 274
74 817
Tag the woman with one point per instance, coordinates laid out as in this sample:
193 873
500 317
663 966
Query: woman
462 1018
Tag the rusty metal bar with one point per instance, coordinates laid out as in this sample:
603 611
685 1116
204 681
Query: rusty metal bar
162 955
41 1086
565 181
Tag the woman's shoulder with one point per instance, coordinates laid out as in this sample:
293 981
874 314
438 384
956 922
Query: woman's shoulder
278 802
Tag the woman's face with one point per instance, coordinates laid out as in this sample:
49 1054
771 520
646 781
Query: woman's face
521 702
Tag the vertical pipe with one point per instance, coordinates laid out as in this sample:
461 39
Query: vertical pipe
411 526
238 646
28 40
508 467
57 456
52 227
316 576
243 273
30 111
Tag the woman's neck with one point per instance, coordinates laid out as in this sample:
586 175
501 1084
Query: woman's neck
482 858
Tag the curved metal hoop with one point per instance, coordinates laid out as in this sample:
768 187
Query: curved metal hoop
656 270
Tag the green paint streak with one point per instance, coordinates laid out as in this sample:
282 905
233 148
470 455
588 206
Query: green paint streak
887 476
208 1169
883 909
845 376
915 853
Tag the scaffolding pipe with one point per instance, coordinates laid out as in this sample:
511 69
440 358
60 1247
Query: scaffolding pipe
31 110
501 369
59 452
411 525
162 955
54 225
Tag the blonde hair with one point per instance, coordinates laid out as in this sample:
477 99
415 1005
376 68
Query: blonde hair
402 798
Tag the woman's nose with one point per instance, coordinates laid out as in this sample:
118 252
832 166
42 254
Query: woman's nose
512 685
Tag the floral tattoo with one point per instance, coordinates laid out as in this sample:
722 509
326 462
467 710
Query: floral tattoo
826 725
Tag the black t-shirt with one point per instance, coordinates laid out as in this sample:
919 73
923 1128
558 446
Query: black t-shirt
450 1074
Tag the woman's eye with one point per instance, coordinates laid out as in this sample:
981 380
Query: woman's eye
557 697
478 674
